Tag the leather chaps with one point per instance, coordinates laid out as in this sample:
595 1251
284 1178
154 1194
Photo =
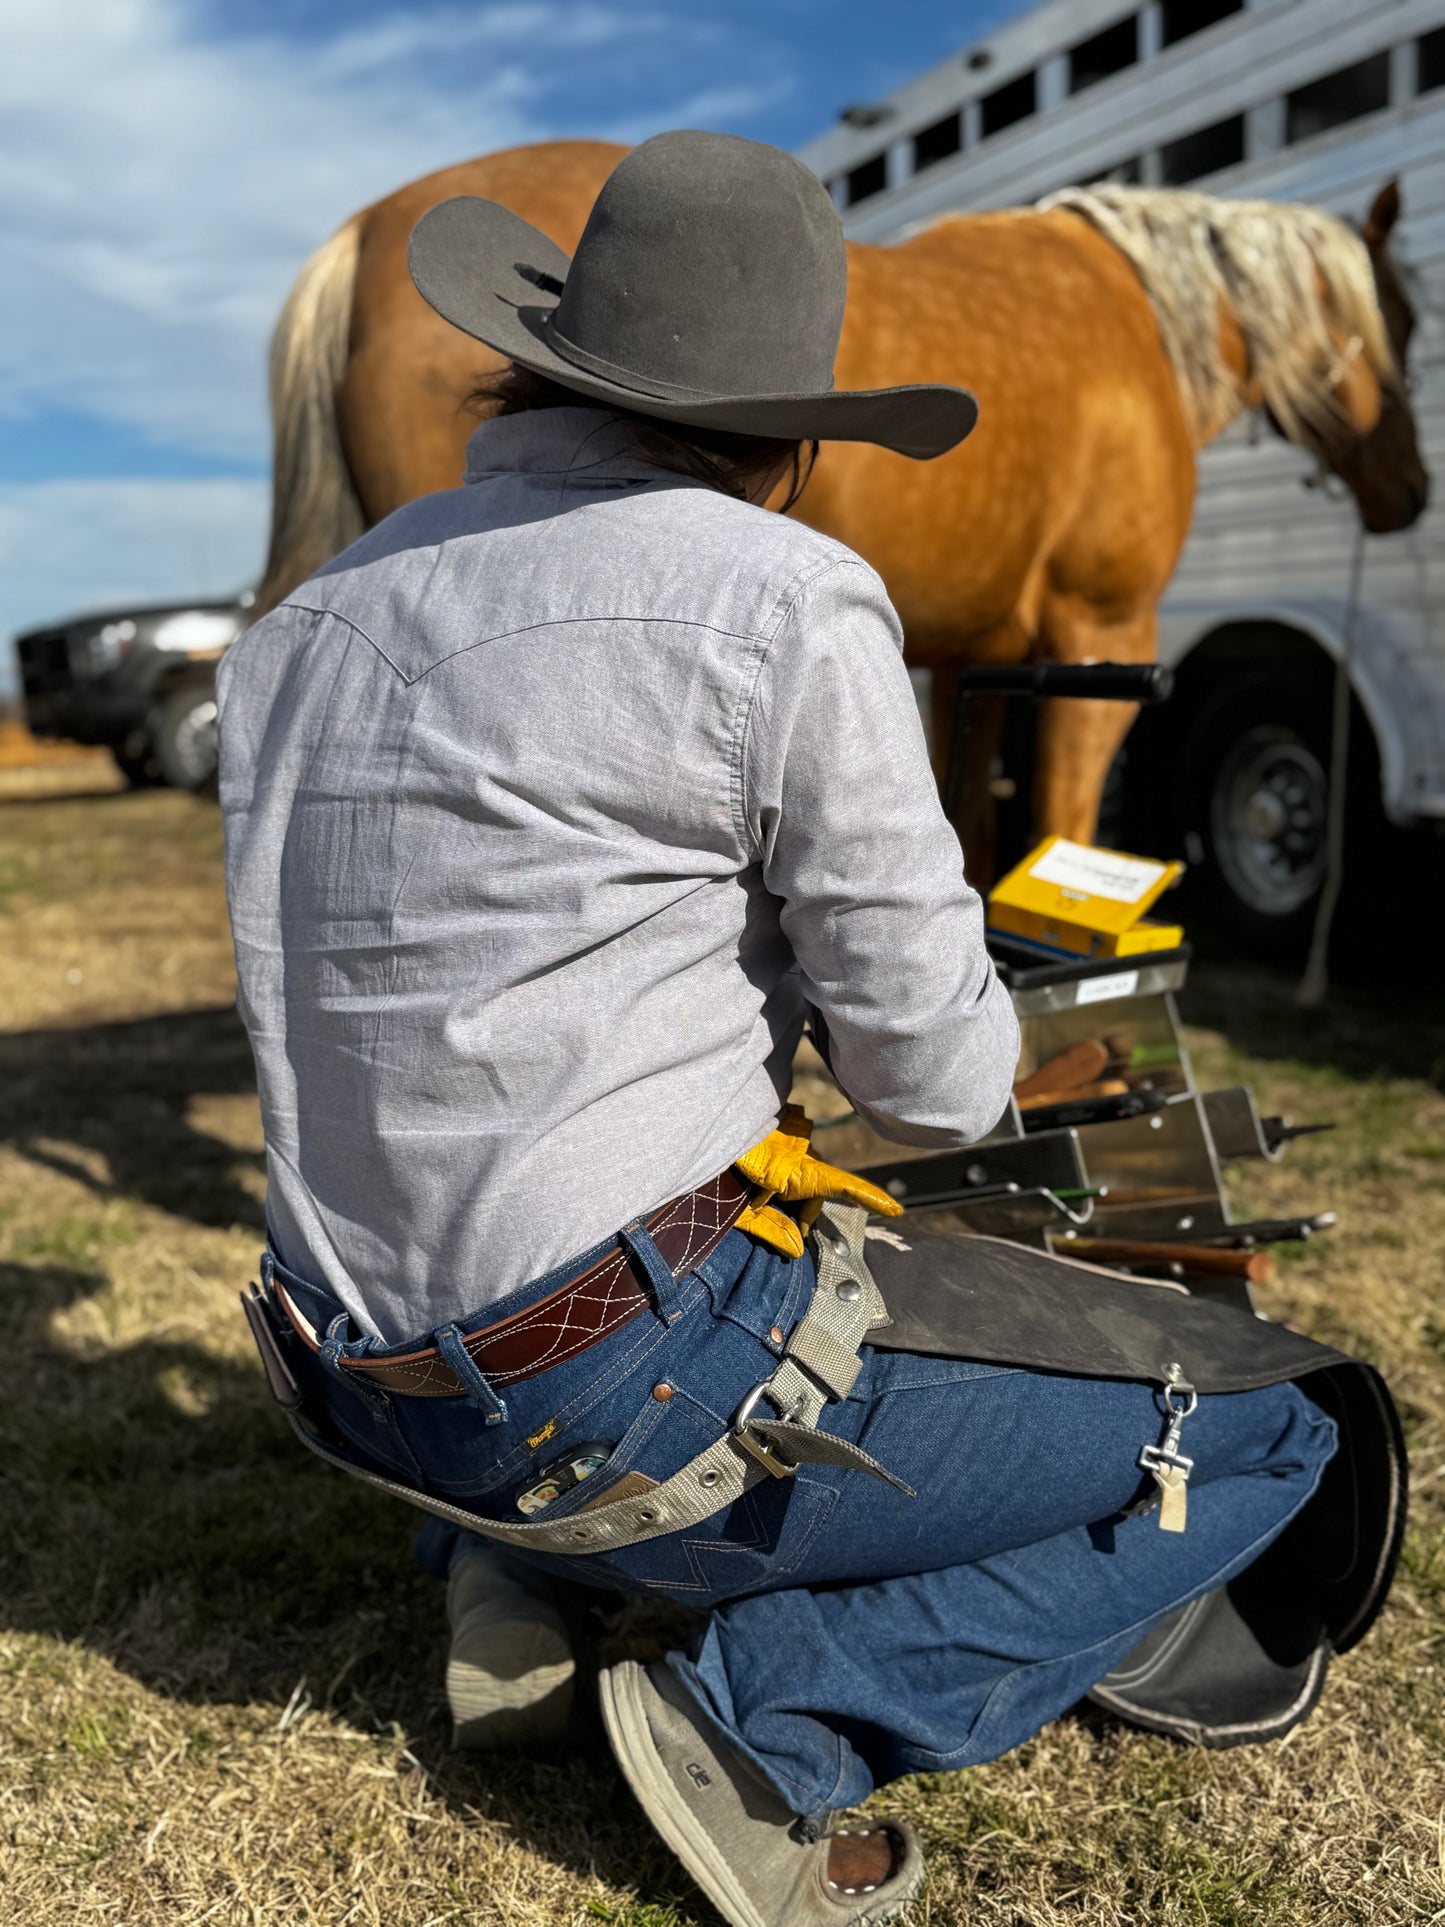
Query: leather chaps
1246 1662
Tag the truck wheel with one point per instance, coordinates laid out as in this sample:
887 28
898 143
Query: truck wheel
185 736
135 758
1255 792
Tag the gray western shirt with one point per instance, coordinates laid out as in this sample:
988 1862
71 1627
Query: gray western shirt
548 806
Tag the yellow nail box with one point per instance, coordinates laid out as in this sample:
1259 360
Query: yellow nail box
1085 902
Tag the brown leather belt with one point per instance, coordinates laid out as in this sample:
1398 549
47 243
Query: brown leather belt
598 1302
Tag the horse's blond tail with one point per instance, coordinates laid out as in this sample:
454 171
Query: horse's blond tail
315 510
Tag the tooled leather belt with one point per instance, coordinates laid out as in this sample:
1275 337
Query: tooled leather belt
579 1314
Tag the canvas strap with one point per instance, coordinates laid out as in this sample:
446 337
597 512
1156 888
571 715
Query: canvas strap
772 1433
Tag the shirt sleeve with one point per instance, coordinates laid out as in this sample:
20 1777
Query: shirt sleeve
844 815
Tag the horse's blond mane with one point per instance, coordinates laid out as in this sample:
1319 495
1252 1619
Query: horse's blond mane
1286 271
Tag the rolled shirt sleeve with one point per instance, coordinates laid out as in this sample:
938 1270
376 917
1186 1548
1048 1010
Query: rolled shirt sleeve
843 811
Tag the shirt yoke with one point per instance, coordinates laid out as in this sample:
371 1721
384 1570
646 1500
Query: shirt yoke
476 568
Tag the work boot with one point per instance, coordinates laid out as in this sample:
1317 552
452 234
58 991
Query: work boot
730 1830
510 1670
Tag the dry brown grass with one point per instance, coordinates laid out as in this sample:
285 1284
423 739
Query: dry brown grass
219 1675
20 750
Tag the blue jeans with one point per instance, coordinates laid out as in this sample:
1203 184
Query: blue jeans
855 1634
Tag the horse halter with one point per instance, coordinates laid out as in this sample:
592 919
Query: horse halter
1324 477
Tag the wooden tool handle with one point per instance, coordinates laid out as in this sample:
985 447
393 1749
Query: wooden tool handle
1257 1266
1066 1071
1105 1087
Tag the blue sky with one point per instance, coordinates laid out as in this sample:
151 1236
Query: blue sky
168 165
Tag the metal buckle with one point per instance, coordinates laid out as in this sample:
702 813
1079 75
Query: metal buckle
1153 1456
1166 1452
758 1448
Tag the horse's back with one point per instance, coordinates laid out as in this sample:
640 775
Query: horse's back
403 399
1080 418
1035 312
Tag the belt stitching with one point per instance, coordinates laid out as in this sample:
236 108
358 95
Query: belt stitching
424 1369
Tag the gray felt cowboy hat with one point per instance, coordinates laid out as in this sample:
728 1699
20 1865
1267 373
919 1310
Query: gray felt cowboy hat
707 288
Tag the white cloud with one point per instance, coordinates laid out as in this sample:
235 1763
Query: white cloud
158 191
70 546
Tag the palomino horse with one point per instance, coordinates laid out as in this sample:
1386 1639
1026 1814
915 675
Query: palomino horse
1108 334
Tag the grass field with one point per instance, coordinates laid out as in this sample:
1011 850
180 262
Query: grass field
220 1678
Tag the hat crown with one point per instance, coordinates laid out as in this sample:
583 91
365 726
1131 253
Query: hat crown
709 265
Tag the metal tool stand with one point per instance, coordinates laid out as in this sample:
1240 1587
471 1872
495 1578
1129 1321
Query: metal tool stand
1143 1168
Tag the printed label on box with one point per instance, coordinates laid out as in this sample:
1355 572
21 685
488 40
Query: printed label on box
1101 873
1102 990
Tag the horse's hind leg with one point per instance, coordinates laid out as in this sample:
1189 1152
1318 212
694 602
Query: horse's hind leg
974 811
1078 740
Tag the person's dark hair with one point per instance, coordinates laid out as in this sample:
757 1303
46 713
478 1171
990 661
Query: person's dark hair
723 460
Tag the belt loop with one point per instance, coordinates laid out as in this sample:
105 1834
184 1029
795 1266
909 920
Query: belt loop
333 1352
335 1346
479 1392
666 1297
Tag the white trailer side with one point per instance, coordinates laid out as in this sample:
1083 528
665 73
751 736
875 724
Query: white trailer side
1312 100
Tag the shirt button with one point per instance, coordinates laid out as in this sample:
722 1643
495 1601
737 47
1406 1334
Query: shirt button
662 1393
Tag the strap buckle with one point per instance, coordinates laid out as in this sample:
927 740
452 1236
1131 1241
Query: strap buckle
757 1448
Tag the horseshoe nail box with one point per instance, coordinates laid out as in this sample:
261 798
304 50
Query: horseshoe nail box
1072 899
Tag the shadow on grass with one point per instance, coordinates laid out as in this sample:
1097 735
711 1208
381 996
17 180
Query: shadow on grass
123 1090
155 1510
160 1511
1365 1035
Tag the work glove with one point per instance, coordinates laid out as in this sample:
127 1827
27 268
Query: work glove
783 1167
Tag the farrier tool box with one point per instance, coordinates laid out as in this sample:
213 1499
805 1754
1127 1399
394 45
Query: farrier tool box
1108 1151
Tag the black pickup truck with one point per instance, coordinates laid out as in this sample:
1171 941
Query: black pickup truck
141 681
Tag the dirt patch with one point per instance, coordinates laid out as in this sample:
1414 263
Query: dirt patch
39 765
20 750
220 1676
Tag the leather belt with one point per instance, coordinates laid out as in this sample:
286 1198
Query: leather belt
821 1363
579 1314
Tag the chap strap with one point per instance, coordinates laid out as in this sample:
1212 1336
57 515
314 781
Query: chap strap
773 1432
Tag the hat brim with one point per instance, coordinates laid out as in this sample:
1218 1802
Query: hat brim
486 271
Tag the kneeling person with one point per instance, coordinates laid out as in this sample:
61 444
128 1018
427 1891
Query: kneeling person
552 806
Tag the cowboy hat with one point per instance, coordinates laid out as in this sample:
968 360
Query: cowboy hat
707 288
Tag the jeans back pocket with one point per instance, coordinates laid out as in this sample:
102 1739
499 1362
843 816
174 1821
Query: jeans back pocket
750 1545
754 1545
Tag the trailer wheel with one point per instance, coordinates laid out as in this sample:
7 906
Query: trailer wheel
1255 792
184 736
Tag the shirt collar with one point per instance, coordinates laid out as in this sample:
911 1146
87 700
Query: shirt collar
580 444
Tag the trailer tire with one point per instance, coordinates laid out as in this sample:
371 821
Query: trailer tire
184 736
1254 791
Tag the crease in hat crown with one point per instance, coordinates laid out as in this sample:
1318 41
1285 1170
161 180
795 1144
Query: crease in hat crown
708 286
708 259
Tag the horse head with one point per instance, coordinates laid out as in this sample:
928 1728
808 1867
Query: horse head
1371 443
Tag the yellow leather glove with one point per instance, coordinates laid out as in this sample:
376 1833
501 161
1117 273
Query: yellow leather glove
784 1167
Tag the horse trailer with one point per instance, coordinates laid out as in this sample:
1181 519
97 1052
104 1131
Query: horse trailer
1299 100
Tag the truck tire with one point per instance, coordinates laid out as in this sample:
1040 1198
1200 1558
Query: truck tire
184 736
135 758
1254 791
